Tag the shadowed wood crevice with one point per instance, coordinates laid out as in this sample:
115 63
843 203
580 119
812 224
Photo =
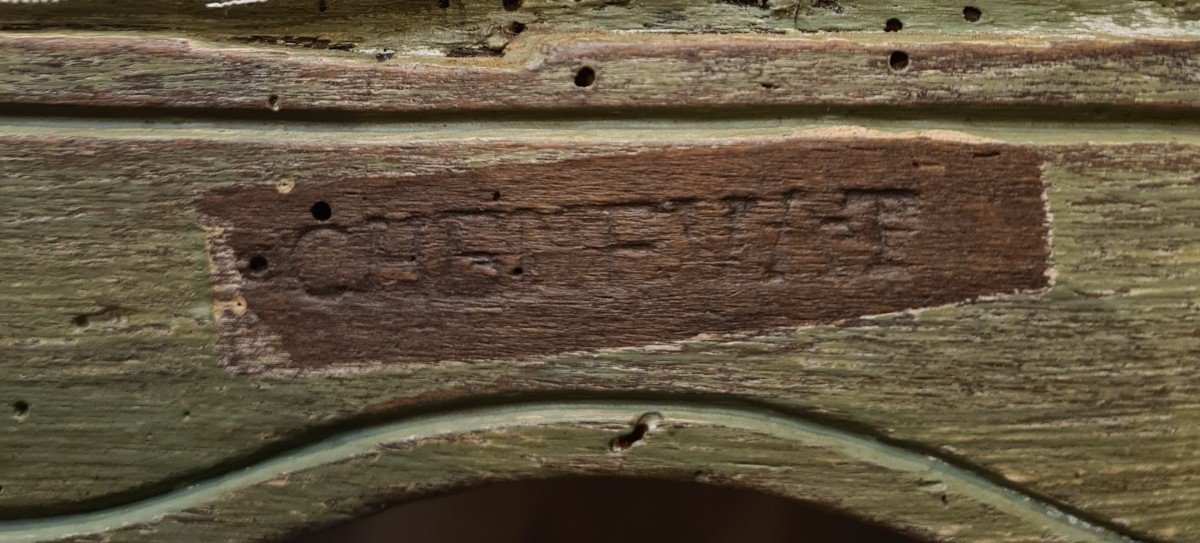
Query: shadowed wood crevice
532 259
582 510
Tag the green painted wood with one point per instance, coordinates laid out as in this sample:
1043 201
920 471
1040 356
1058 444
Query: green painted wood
746 447
109 333
634 74
1079 399
485 27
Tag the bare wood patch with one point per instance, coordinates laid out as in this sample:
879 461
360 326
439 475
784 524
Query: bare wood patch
532 259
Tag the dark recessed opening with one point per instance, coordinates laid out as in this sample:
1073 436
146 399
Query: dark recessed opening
495 195
322 6
585 77
444 4
972 14
273 102
20 409
80 320
258 263
601 509
898 61
516 27
625 441
512 5
321 211
518 270
893 25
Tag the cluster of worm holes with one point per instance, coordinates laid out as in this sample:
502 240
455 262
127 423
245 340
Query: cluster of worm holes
971 13
320 211
898 60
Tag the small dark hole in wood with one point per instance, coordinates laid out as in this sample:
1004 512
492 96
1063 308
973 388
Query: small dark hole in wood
893 25
80 320
585 77
444 4
518 270
322 6
20 409
972 14
495 195
512 5
643 426
898 61
625 441
273 102
258 263
516 27
322 211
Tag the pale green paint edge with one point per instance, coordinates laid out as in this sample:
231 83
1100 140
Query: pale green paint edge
359 442
1016 131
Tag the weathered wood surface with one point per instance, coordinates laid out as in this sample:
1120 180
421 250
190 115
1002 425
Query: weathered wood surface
630 71
115 344
1064 411
460 28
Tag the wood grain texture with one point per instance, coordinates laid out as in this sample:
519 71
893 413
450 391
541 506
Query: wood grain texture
382 28
533 259
747 451
109 338
631 72
140 349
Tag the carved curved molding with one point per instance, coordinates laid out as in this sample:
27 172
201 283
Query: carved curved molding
835 449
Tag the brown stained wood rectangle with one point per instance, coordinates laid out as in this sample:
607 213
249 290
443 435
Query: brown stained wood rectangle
527 259
541 73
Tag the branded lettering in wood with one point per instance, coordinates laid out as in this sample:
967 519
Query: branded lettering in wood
533 259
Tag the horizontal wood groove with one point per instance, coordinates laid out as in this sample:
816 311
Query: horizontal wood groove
537 73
